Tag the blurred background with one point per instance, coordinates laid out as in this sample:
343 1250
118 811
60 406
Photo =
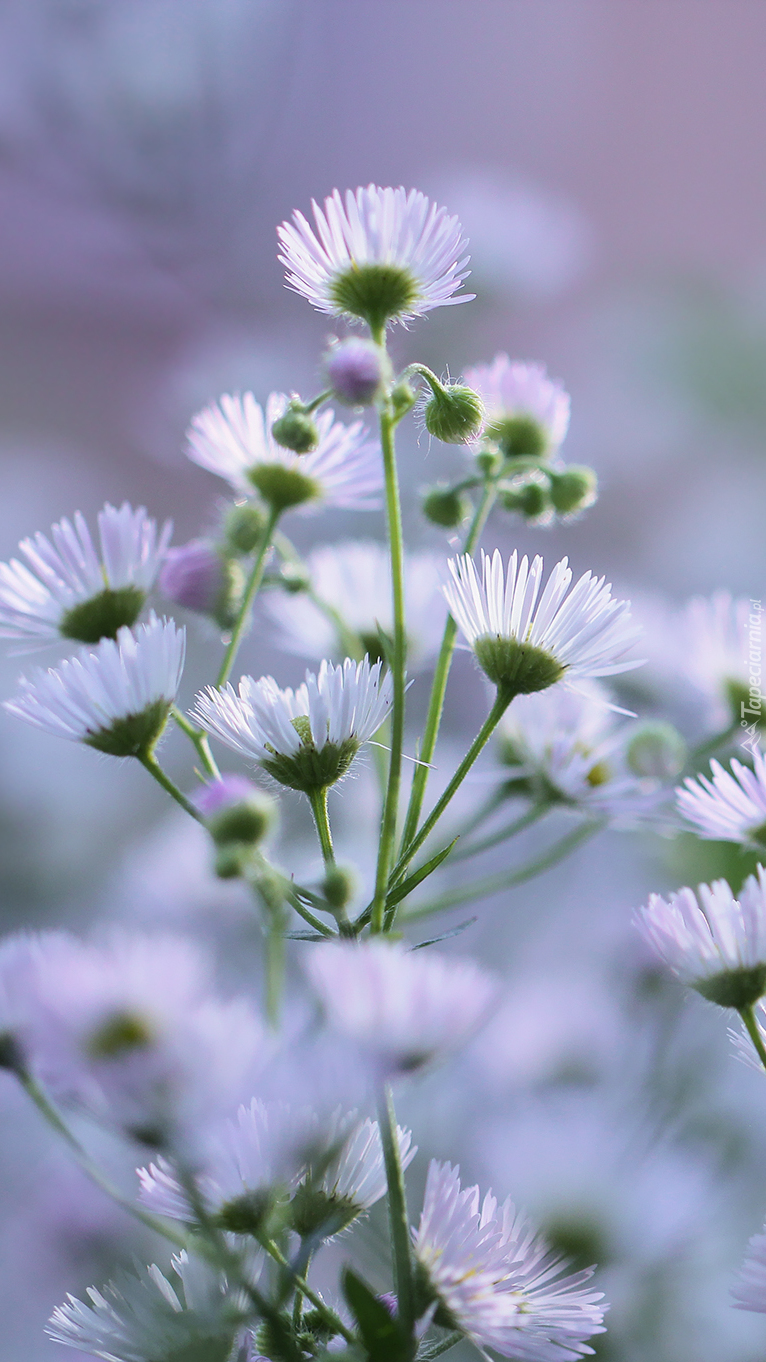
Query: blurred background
605 158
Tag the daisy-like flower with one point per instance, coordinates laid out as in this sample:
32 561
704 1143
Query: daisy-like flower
714 942
706 649
524 644
232 438
186 1314
407 1008
493 1278
526 413
67 589
382 255
305 738
730 807
750 1290
351 582
116 698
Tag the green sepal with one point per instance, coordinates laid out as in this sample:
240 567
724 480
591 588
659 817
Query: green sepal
516 668
282 487
382 1335
103 615
736 988
134 735
376 293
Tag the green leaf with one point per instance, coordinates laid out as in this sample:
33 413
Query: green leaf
412 881
446 936
382 1335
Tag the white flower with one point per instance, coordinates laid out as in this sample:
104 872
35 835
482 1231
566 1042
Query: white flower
115 698
496 1280
406 1007
714 942
305 738
352 580
383 255
66 589
750 1290
730 807
511 391
232 438
180 1317
526 645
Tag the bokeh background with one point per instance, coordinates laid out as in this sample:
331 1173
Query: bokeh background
606 159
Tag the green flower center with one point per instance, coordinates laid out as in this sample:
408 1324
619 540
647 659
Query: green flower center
735 987
102 615
283 487
376 293
133 735
515 667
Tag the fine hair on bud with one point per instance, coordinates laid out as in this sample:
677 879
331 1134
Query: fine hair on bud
453 413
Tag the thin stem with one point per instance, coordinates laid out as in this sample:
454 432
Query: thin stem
493 884
251 591
272 896
397 1210
329 1315
390 805
710 745
748 1016
525 820
309 917
151 764
200 741
318 801
449 1342
441 676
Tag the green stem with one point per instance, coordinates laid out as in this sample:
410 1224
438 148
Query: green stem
318 801
150 764
251 591
309 917
439 684
525 820
711 745
391 801
449 1342
748 1016
397 1210
200 741
493 884
329 1315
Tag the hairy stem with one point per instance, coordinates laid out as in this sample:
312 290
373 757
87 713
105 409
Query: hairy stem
329 1315
151 764
748 1016
318 801
200 740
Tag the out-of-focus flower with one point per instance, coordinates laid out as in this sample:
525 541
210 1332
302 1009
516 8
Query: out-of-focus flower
305 738
198 577
731 806
526 412
232 438
356 370
408 1008
67 589
524 645
715 943
383 255
153 1317
235 810
352 581
496 1280
116 698
750 1290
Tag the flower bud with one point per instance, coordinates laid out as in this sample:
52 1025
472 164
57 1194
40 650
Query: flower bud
194 575
656 751
529 496
357 370
444 506
296 430
453 413
339 886
236 811
243 528
294 577
519 437
488 461
573 489
403 399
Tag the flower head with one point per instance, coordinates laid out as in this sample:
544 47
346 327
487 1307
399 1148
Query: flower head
67 589
181 1317
526 645
305 738
750 1290
715 943
730 807
381 255
116 698
526 413
406 1007
493 1278
233 438
352 579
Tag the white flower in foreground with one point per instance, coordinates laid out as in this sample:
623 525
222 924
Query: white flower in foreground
714 942
232 438
353 581
66 589
183 1316
526 412
305 738
382 255
496 1280
524 644
116 698
750 1290
730 807
406 1007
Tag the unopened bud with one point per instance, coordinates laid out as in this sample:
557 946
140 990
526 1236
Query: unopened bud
656 751
573 489
236 811
296 430
529 496
339 886
243 528
488 461
453 413
231 860
444 506
403 399
357 370
294 577
194 575
519 437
